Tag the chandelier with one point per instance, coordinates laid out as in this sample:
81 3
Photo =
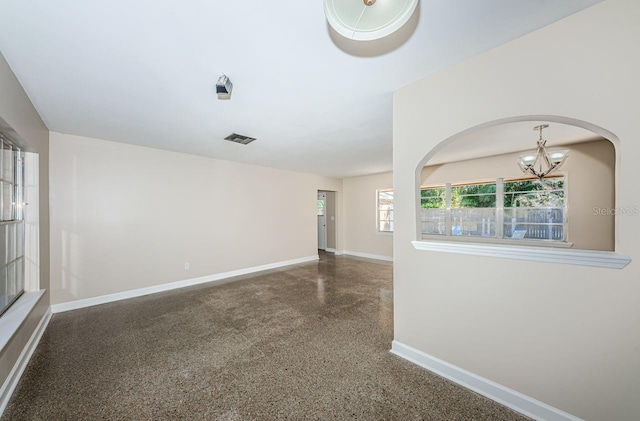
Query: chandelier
543 162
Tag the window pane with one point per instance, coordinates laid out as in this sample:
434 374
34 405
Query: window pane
480 222
7 164
534 199
385 215
534 209
385 226
534 223
3 244
4 298
474 196
534 193
385 211
7 200
11 241
320 205
20 239
434 221
385 200
433 198
12 286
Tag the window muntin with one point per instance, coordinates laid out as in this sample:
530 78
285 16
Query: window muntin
477 195
514 209
384 219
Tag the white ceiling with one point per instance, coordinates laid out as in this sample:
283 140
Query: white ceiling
143 72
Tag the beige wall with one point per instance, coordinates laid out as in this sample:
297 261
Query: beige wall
360 203
126 217
18 112
566 335
590 177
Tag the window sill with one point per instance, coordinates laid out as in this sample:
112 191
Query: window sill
498 242
605 259
13 318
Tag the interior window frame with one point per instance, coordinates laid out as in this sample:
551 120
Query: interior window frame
499 238
378 211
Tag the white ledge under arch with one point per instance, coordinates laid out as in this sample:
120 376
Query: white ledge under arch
605 259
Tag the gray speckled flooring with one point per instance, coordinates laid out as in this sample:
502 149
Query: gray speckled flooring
306 342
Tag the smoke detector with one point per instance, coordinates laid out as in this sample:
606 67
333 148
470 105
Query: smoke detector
238 138
224 87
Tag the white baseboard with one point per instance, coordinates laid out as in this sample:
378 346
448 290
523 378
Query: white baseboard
494 391
330 250
102 299
368 256
16 372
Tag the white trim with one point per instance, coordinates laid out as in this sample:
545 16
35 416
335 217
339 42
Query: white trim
605 259
15 315
102 299
330 250
18 368
496 241
503 395
339 252
368 256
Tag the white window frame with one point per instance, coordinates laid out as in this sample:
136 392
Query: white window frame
499 219
12 222
378 210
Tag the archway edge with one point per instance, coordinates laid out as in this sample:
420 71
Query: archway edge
601 131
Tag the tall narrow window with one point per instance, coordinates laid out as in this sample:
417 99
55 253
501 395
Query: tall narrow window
385 211
11 224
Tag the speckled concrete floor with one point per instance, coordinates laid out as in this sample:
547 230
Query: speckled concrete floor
306 342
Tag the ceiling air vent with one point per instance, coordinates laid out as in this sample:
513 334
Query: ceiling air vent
238 138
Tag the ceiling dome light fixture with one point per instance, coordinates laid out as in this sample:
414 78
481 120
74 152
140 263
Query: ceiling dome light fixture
373 20
543 162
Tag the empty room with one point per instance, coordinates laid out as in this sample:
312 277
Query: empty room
331 209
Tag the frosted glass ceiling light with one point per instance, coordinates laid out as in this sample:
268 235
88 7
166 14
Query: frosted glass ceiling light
366 20
543 162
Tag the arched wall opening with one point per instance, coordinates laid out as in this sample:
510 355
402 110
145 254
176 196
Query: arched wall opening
535 326
490 151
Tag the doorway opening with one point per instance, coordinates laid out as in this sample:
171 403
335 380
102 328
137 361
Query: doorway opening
326 212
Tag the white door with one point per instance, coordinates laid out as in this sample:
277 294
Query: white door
322 221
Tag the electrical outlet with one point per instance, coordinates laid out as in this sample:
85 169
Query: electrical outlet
186 266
